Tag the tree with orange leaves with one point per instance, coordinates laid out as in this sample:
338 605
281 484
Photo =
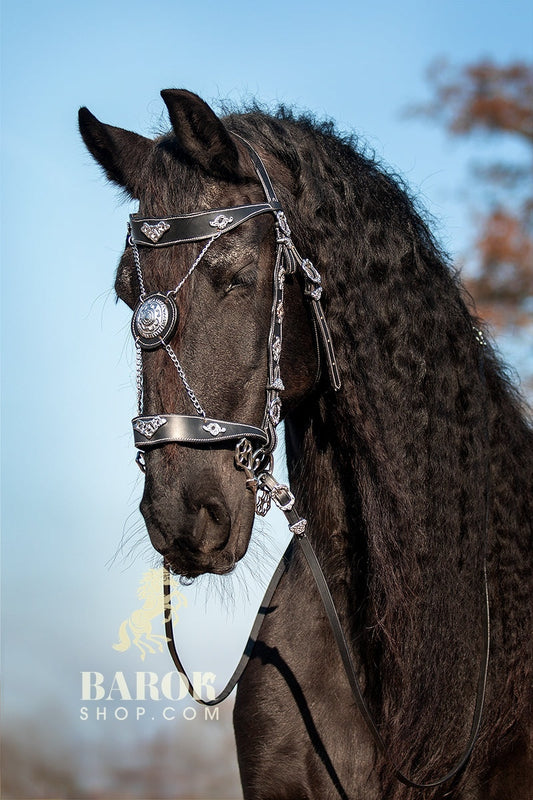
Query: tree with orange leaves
496 100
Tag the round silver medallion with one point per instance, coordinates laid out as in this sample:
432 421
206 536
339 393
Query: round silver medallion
154 320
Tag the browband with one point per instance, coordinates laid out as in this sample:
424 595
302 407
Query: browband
165 231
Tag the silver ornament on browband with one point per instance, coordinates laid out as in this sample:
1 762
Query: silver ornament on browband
155 232
154 321
220 222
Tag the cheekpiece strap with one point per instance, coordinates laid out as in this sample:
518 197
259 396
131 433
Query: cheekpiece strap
292 261
261 171
313 293
150 431
166 231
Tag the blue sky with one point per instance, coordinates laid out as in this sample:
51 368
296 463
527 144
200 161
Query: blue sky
70 487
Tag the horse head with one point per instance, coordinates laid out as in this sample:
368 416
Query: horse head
214 364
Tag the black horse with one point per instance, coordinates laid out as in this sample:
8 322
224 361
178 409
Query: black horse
412 477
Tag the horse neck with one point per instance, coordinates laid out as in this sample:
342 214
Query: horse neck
324 496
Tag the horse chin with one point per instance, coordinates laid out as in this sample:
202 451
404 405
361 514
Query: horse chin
193 568
191 565
200 544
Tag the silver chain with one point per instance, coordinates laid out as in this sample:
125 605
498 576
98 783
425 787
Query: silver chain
137 260
139 364
193 267
179 368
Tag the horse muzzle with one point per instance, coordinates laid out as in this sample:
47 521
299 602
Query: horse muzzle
198 526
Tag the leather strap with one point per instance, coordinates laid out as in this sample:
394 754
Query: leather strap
194 227
150 431
261 170
351 674
264 609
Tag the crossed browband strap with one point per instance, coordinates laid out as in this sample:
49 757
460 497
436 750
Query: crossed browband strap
155 320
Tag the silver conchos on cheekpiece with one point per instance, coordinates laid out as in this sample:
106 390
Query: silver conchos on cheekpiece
154 321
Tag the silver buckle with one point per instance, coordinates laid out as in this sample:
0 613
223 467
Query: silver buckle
277 492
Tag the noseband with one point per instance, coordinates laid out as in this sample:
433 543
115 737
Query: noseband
154 323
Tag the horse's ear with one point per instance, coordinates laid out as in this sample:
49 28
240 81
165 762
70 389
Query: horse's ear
200 133
121 153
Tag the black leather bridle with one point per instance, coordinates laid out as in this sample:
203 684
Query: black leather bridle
155 319
154 323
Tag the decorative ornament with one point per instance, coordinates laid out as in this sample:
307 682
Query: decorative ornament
149 426
283 224
263 503
276 349
298 529
277 385
479 337
221 222
274 411
154 321
214 429
155 232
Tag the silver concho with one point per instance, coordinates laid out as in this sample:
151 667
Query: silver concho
154 321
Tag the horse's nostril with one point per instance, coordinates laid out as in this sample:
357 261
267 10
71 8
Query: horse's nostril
212 526
214 514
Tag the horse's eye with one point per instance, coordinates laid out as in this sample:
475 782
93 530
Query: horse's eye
243 278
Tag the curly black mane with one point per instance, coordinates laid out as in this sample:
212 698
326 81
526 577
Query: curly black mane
424 412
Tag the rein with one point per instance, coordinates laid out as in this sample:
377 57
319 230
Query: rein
154 322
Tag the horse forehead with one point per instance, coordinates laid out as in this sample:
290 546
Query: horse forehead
174 187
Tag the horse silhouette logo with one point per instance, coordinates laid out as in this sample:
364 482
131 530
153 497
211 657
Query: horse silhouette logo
137 629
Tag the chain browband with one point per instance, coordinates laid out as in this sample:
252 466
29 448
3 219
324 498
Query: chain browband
153 325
